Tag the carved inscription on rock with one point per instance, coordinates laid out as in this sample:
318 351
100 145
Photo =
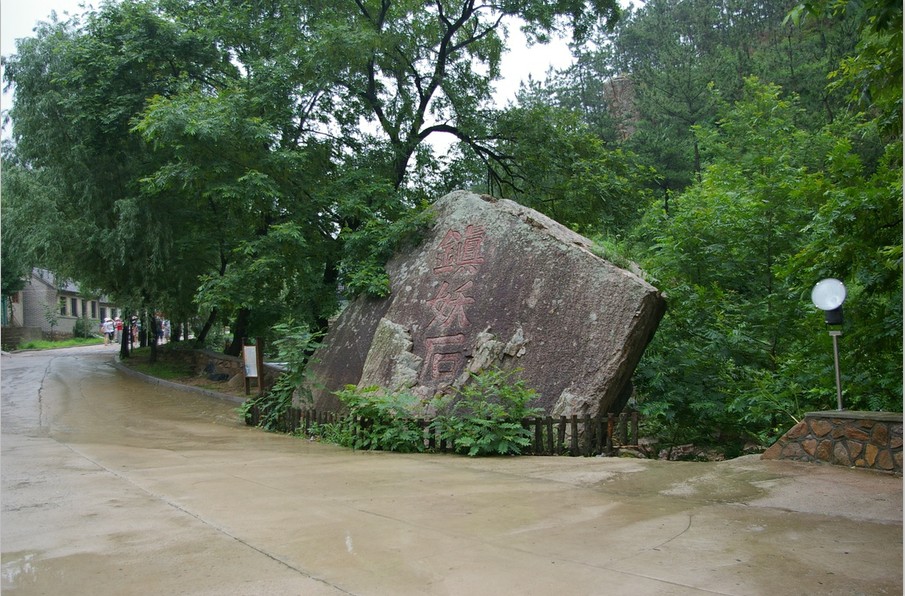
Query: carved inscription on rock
457 258
491 278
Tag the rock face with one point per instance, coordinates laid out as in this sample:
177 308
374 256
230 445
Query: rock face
496 284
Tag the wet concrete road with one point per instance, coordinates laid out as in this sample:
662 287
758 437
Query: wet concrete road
114 486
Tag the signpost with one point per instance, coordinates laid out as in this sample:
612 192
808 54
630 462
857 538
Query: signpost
253 356
828 295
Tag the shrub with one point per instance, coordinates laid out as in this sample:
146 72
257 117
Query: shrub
485 416
377 420
293 347
85 327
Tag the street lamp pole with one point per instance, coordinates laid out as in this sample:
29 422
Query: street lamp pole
828 295
834 333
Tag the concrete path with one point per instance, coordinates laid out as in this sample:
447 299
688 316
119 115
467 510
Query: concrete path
115 486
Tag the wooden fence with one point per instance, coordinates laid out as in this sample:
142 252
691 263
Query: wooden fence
562 435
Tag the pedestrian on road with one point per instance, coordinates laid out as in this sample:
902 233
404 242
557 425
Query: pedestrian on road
108 329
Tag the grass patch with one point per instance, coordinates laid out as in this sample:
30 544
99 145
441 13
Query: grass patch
139 359
171 366
43 344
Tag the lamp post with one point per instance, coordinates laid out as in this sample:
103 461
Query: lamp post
828 295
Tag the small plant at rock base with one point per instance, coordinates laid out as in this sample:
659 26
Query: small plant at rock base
293 347
485 416
377 420
273 405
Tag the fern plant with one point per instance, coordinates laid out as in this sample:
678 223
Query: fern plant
378 420
485 416
295 344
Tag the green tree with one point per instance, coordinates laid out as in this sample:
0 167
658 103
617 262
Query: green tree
873 71
741 351
561 168
260 150
645 84
21 194
78 85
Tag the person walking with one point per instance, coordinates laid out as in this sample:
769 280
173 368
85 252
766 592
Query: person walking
108 328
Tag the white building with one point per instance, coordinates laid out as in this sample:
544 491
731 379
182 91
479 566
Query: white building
46 305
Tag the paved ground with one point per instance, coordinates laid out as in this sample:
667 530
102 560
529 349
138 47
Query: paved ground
115 486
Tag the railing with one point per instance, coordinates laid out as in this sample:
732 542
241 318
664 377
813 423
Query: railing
562 435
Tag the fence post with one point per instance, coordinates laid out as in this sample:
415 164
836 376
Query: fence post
538 436
422 424
549 421
574 448
610 427
561 435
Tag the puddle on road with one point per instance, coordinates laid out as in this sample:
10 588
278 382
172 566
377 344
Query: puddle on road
107 406
18 569
705 482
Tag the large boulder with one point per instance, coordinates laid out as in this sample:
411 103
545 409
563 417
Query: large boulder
496 284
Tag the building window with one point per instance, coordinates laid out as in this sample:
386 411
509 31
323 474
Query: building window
103 313
74 311
84 308
94 309
63 306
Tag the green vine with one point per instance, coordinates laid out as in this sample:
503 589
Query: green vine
293 348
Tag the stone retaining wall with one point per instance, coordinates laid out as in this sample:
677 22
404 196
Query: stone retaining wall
11 337
206 363
861 439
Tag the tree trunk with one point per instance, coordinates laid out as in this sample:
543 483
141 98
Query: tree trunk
143 330
125 336
239 331
211 318
152 338
331 275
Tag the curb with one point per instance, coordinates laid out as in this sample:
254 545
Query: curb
171 385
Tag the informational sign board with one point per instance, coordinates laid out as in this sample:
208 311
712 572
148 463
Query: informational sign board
250 354
253 357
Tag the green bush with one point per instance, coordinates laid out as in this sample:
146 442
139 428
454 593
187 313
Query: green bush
377 420
485 416
85 327
295 344
482 418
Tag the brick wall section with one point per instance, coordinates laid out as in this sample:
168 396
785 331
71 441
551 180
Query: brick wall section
10 337
36 294
870 440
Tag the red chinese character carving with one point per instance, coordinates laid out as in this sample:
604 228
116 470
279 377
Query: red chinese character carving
448 252
456 252
449 307
470 255
444 357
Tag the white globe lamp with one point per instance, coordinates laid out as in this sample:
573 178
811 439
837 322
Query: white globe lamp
828 295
